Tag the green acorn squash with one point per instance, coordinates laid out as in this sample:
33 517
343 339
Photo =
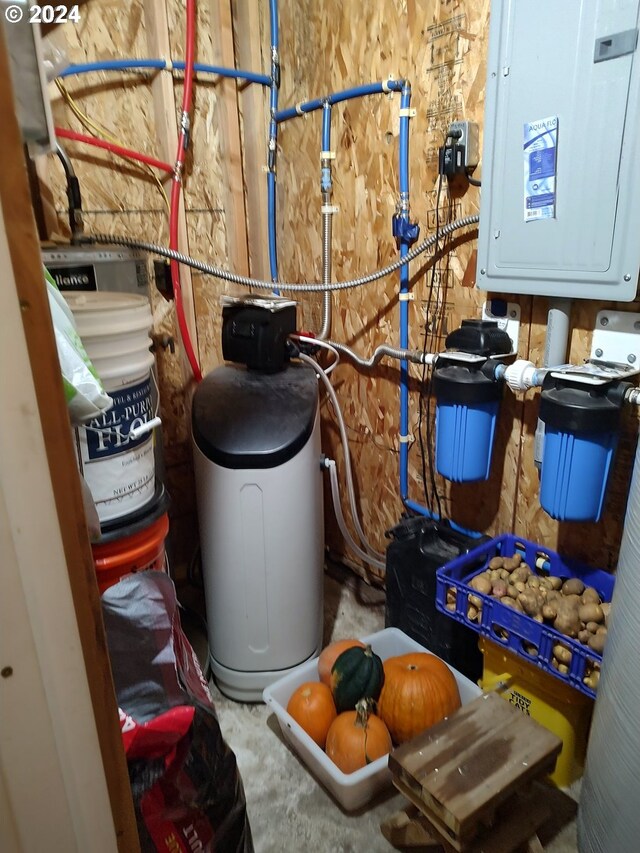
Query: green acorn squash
357 674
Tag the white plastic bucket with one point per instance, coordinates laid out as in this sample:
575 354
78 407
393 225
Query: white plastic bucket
119 469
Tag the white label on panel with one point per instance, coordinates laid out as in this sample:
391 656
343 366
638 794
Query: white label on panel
539 150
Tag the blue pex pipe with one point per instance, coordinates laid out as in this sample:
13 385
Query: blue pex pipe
404 287
160 64
421 510
274 83
338 97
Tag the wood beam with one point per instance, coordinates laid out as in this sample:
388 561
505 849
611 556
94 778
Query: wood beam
230 140
165 112
253 54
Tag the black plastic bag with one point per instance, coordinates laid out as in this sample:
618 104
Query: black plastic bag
186 785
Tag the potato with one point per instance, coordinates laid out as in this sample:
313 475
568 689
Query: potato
606 609
481 583
530 603
512 591
549 611
567 621
496 563
475 601
533 582
591 613
573 599
562 653
554 582
584 636
573 586
592 679
596 642
511 563
563 668
520 574
450 605
499 589
511 602
520 585
503 574
590 596
602 629
472 613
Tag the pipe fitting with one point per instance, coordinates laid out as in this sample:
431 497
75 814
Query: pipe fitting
522 375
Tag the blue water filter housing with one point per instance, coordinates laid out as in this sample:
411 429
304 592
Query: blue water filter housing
467 406
581 435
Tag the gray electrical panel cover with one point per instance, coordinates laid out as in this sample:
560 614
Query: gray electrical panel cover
560 198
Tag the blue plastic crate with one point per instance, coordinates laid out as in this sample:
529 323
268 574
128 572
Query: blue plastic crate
533 641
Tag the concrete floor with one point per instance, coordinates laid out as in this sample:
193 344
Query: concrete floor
288 810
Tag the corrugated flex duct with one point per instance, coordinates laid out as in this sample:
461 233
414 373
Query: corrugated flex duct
609 811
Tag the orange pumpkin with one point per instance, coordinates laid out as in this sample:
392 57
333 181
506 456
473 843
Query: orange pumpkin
311 705
330 654
356 738
419 690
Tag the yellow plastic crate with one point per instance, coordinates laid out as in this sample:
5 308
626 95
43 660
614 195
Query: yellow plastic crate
558 707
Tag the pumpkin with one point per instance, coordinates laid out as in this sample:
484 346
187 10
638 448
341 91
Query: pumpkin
330 654
356 674
311 705
356 738
419 690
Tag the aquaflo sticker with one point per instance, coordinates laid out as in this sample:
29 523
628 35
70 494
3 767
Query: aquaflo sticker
540 149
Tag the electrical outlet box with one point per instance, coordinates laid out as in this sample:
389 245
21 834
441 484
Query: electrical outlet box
559 211
470 138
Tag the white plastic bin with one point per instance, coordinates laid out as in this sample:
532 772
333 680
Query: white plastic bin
351 790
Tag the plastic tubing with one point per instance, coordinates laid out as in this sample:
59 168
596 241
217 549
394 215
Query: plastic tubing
335 98
63 133
403 154
326 188
176 188
161 65
274 83
347 456
337 508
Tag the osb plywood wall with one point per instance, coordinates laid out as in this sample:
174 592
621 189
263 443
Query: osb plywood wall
440 47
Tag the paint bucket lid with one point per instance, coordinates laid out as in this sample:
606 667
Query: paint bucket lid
107 313
130 524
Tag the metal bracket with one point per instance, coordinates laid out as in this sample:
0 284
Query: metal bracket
616 338
506 315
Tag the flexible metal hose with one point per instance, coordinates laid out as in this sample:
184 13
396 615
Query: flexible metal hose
414 356
245 281
327 226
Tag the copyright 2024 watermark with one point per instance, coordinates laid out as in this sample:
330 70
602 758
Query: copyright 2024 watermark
16 12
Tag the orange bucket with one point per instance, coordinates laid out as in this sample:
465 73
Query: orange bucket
131 553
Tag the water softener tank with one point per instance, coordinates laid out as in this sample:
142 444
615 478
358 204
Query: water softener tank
256 439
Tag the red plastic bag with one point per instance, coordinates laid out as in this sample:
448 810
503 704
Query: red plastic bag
185 782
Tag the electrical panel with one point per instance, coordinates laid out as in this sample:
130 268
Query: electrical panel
560 198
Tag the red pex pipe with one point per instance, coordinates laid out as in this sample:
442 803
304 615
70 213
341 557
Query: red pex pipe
176 186
63 133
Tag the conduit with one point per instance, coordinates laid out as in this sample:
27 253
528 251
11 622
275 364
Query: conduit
608 814
163 65
326 189
176 187
259 284
272 145
128 153
382 88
